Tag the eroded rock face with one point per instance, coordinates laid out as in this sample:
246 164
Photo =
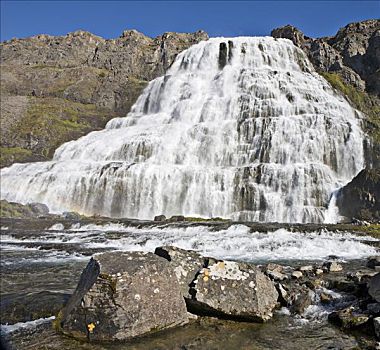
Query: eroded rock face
352 51
123 295
233 290
360 198
58 88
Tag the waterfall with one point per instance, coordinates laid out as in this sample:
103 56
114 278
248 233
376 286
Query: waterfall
241 128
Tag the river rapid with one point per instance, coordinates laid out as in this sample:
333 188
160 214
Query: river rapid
41 266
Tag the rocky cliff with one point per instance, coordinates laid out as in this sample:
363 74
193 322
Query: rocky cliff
58 88
350 61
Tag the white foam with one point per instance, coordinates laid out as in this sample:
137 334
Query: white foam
6 329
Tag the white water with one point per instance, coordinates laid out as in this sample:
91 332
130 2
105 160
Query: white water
263 139
6 329
237 242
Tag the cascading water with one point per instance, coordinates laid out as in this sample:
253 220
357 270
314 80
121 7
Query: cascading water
241 128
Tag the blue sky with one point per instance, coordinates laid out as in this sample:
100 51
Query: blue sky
219 18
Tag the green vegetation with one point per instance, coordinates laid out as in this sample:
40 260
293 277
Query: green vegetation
372 230
13 154
361 100
52 121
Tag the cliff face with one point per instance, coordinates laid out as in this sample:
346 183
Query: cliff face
58 88
350 61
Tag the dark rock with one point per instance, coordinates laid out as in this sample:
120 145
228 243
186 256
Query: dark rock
325 298
23 308
160 218
300 300
360 198
376 325
373 262
349 318
373 308
185 263
71 215
177 218
123 295
223 54
233 290
374 287
39 209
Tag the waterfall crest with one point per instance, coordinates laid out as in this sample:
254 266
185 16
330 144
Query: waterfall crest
241 128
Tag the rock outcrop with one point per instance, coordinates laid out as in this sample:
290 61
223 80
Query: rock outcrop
350 61
121 296
17 210
360 198
58 88
353 51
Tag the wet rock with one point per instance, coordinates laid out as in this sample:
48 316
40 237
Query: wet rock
71 215
283 295
39 209
332 266
376 325
233 290
325 298
23 308
373 308
373 262
361 276
185 263
177 218
297 274
160 218
122 295
374 287
301 300
223 53
274 272
349 318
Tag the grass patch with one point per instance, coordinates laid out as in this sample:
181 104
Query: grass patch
362 101
13 155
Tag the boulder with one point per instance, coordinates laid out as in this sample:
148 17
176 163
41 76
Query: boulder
332 266
160 218
297 274
233 290
71 215
301 299
186 265
374 287
39 209
122 295
177 218
349 318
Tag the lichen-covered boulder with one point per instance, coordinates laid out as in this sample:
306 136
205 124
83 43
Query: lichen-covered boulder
233 290
186 265
122 295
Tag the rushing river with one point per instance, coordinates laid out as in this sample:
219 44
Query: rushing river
47 263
